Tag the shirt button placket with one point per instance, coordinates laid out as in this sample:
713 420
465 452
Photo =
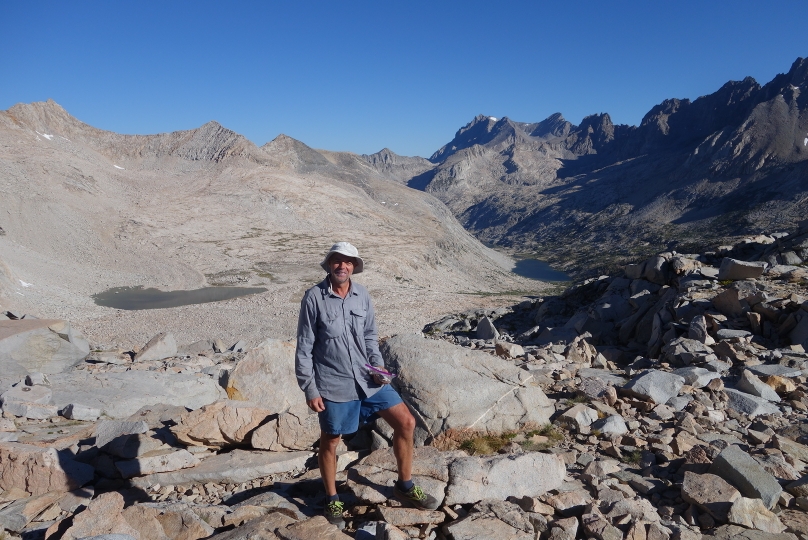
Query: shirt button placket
346 327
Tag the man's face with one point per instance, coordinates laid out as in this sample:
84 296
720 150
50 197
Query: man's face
341 267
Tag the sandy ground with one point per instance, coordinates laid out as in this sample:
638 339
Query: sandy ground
401 308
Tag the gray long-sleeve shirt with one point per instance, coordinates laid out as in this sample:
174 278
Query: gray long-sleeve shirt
336 337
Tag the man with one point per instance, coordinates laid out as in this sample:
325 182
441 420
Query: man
336 338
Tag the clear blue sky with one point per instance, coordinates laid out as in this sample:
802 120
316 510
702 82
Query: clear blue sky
362 75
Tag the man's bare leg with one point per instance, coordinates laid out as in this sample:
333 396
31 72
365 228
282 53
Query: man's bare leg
327 459
403 424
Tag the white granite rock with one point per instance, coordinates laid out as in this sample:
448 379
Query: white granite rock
658 386
161 346
40 345
266 375
734 269
451 387
172 460
119 395
750 384
611 426
532 474
76 411
40 470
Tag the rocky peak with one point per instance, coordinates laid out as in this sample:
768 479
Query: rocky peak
292 153
554 125
479 131
504 135
735 91
40 111
387 159
213 142
710 166
210 142
481 120
282 142
592 135
798 74
793 83
385 155
658 116
400 168
212 127
676 122
44 117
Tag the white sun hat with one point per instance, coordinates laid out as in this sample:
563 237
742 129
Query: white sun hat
348 250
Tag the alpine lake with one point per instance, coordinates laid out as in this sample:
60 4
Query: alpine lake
133 298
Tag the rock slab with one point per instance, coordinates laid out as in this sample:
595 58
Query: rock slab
451 387
266 375
710 493
160 347
734 269
532 474
40 470
40 345
658 386
120 395
236 466
742 471
220 424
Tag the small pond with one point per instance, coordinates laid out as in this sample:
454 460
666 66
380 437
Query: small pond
131 298
536 269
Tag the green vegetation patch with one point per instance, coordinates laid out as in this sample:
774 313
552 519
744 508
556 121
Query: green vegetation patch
578 398
533 439
632 458
262 270
229 278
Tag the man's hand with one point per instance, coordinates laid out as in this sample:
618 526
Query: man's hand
316 404
380 379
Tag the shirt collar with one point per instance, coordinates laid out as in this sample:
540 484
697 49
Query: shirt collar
331 291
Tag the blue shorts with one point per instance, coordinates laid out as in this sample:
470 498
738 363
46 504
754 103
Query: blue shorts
340 418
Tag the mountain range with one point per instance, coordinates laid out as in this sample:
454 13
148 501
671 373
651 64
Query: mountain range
83 209
693 172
